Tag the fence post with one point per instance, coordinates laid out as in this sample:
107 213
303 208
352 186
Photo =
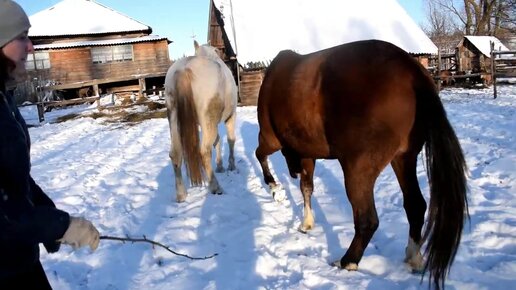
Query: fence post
41 111
439 69
493 69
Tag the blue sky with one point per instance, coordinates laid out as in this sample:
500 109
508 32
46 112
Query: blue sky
179 20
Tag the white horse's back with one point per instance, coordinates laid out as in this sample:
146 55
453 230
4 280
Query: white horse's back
200 90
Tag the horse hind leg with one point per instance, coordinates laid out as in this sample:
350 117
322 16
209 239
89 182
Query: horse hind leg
359 178
218 155
293 161
415 206
307 188
209 135
230 128
267 145
176 156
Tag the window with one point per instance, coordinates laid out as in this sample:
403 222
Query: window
107 54
38 60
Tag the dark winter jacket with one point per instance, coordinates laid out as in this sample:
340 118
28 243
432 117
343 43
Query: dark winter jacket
27 215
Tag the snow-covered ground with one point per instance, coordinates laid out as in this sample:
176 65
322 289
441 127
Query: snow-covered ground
119 176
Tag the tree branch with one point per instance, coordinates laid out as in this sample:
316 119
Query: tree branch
145 240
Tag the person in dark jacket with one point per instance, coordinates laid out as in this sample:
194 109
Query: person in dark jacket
28 216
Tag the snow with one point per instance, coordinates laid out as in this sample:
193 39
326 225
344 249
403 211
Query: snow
117 41
119 176
263 28
483 43
56 19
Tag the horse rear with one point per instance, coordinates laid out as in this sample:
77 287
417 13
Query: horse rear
200 91
367 104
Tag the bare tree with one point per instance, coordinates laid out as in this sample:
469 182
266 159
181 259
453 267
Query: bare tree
480 17
444 31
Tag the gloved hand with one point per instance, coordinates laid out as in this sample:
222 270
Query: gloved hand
80 233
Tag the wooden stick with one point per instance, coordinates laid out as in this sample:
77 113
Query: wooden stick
145 240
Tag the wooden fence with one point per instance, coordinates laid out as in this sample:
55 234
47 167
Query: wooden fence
502 66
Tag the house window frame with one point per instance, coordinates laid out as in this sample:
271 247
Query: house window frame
38 60
112 54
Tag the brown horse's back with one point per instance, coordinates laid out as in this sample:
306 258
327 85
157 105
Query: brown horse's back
343 94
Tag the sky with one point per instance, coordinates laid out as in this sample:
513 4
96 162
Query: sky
120 177
179 20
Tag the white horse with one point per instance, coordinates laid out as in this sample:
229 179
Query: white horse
200 90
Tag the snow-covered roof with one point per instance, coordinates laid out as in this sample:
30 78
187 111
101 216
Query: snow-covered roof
263 28
483 43
79 17
117 41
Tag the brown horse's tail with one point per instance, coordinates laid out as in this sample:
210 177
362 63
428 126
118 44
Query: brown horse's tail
446 171
187 123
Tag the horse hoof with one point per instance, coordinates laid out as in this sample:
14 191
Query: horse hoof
278 193
219 169
416 267
304 229
180 198
337 264
217 192
351 267
232 167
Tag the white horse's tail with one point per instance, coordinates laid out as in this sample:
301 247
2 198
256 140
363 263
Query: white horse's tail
187 123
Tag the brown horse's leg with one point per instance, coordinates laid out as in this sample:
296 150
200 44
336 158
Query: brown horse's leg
293 161
307 187
415 206
267 146
359 177
262 152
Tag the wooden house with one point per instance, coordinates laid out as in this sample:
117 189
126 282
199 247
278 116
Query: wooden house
251 33
84 44
474 53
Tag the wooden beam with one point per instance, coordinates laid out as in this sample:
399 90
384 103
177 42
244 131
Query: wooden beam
77 85
71 101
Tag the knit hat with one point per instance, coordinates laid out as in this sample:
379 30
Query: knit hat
13 21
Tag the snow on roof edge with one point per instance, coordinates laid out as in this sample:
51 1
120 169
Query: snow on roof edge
117 41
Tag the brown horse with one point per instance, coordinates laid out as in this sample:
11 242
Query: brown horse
367 104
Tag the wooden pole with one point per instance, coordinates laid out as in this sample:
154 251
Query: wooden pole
493 69
97 94
143 88
41 111
439 69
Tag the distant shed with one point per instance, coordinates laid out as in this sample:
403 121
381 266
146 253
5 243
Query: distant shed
474 53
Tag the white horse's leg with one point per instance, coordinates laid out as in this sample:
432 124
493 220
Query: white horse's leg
413 256
176 156
218 156
209 134
230 128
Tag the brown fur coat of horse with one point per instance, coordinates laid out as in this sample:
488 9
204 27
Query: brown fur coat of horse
368 104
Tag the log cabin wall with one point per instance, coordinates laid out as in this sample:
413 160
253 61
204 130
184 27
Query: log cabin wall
74 65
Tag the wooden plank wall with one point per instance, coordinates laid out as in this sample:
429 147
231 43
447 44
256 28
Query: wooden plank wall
75 64
250 83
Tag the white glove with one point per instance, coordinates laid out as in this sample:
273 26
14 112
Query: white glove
80 233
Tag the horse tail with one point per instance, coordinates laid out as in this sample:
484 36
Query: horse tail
187 122
446 170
